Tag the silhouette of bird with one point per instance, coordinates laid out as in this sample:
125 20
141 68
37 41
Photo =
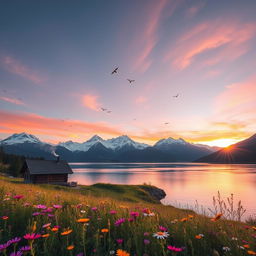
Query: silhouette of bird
114 71
176 96
166 123
130 80
103 109
109 111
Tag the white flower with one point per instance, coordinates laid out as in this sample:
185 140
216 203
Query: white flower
202 235
149 214
82 211
226 249
111 252
240 247
161 235
234 238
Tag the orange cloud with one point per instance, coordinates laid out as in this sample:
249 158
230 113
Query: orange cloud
14 66
15 122
229 38
91 102
12 100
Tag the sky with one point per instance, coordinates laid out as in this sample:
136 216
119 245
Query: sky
56 59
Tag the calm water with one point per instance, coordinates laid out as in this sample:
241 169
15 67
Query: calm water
184 183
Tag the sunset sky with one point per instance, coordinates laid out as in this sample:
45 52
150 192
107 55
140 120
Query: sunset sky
56 59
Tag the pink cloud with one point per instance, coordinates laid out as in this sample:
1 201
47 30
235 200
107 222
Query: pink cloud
141 100
14 66
91 102
229 39
193 10
12 100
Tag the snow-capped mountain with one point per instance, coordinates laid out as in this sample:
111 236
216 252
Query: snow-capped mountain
170 141
114 143
19 138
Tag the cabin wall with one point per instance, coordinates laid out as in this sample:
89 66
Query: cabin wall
50 178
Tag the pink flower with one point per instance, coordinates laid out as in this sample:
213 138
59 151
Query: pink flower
134 214
130 219
174 249
162 228
146 241
119 240
146 234
57 206
119 222
18 197
94 208
112 212
32 236
41 206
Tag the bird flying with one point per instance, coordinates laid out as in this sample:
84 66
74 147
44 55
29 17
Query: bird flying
114 71
166 123
130 80
176 96
103 109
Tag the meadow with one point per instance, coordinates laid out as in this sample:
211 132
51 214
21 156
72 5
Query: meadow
110 220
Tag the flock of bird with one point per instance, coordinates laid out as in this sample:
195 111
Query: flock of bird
131 81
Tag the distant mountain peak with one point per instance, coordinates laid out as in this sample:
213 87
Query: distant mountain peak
18 138
95 138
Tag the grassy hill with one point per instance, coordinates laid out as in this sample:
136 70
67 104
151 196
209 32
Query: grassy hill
106 219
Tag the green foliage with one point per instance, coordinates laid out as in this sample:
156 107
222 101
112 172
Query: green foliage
182 226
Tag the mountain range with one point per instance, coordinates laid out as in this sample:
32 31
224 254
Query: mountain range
241 152
96 149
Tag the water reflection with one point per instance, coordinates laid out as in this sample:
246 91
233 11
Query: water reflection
183 182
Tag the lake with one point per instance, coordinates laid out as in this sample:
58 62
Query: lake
184 183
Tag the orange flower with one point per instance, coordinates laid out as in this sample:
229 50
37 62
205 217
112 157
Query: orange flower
217 217
120 252
70 247
254 228
84 220
184 219
198 237
46 235
190 216
54 229
246 246
251 252
67 232
104 230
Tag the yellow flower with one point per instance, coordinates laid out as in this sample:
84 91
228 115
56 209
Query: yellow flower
104 230
70 247
67 232
46 235
84 220
120 252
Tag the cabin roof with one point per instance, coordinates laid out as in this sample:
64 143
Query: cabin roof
48 167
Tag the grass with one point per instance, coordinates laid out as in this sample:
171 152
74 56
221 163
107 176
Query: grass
100 206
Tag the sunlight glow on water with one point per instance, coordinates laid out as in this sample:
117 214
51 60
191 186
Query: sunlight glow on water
184 183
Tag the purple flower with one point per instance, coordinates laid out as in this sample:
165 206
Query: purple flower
18 253
119 222
163 228
94 208
36 213
18 197
41 206
26 248
51 215
146 241
3 246
14 240
80 254
146 234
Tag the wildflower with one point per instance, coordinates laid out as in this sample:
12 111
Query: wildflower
14 240
130 219
84 220
47 225
254 228
18 197
112 212
120 252
174 221
146 234
246 246
26 204
104 230
234 238
83 211
217 217
32 236
240 247
226 249
3 246
174 249
50 215
146 241
135 214
57 206
80 254
41 206
161 235
5 217
46 235
111 252
190 216
200 236
119 240
55 229
48 210
251 252
18 253
26 248
119 222
67 232
162 228
70 247
184 220
94 208
36 213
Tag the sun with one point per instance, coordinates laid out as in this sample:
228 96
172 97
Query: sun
221 142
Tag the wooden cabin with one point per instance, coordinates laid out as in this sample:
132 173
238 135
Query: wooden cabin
46 171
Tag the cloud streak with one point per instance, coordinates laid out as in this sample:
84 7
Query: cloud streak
12 100
16 67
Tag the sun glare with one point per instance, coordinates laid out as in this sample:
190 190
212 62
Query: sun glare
221 142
